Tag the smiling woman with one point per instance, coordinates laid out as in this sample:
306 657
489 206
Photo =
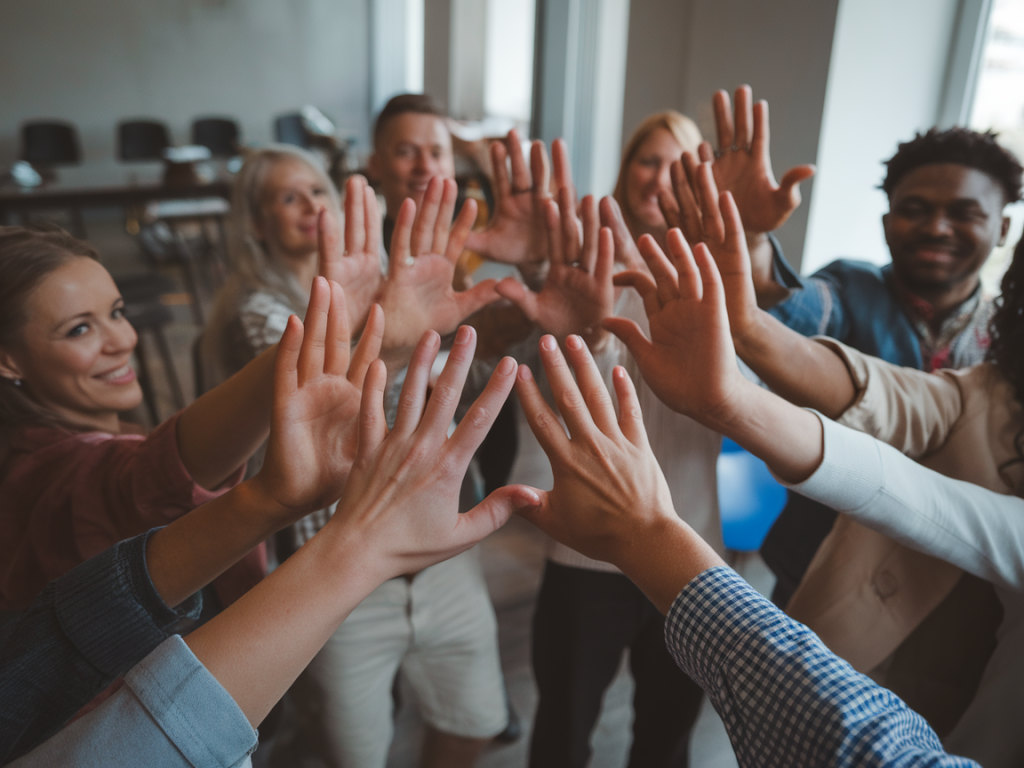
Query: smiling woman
71 484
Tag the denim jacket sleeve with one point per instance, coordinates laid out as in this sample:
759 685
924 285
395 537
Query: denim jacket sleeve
171 712
814 306
85 630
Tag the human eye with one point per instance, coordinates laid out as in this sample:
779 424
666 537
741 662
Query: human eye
319 191
78 330
117 313
288 198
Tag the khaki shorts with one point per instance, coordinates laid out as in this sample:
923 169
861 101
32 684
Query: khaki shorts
440 630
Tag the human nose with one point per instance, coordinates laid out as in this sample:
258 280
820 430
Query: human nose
119 337
938 224
310 204
664 176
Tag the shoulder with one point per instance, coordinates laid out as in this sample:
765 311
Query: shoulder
263 317
845 273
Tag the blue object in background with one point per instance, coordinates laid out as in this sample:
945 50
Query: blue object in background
749 498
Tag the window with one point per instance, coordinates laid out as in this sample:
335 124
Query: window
999 106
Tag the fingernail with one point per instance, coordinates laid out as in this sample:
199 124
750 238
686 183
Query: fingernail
525 373
525 498
574 342
464 335
549 343
505 366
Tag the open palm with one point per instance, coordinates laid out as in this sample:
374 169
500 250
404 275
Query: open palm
689 361
317 390
578 292
417 294
356 267
744 167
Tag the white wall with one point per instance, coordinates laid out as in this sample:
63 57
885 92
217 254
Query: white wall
682 51
95 62
886 81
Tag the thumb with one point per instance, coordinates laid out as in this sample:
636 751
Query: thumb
476 298
791 180
629 332
520 295
494 511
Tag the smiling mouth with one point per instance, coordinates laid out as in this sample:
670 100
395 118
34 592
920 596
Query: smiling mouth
122 375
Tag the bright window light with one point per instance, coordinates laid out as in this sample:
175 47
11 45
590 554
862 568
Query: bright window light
508 74
999 106
414 46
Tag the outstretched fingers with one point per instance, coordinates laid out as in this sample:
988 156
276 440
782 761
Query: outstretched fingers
311 357
591 385
475 425
446 393
368 348
286 366
689 283
355 214
591 228
444 217
666 277
714 231
568 399
723 120
455 240
539 169
338 344
422 240
373 427
744 117
414 390
631 419
542 419
401 252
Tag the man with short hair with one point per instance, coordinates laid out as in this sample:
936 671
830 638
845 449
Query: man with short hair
411 145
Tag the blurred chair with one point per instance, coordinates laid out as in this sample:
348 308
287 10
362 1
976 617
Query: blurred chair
46 144
142 140
218 134
291 129
145 311
749 498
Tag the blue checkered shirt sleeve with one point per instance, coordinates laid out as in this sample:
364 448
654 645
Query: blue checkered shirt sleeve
785 699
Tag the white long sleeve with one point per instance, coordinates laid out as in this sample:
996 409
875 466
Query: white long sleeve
976 529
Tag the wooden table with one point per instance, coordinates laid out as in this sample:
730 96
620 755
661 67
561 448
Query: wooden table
101 185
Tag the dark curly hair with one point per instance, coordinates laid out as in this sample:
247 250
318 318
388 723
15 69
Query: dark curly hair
1006 332
961 146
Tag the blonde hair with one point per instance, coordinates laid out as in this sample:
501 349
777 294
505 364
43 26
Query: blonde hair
252 265
683 130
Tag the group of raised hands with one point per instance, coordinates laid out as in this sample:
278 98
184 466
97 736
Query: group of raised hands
398 489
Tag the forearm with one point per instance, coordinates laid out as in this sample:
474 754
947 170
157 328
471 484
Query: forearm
221 430
195 549
795 367
784 697
665 558
259 645
787 438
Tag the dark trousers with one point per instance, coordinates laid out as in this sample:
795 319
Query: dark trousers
583 622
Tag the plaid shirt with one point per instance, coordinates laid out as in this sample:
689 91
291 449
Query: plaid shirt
785 699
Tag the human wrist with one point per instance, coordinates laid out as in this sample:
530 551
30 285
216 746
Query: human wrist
663 557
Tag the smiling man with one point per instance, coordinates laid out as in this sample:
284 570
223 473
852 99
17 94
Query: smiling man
411 145
947 191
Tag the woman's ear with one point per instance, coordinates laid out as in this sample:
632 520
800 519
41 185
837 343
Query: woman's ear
9 369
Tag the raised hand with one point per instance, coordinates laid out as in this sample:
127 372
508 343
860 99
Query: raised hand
516 233
689 361
402 496
417 294
578 292
626 252
317 391
357 267
743 163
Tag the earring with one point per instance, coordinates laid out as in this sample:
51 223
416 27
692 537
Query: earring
15 382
